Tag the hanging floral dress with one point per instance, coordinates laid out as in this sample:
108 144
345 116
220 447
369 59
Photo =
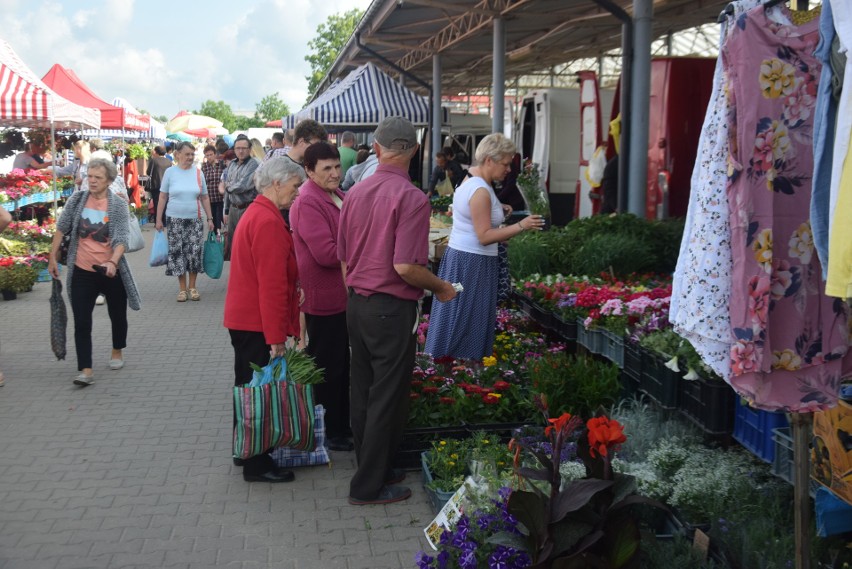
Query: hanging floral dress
789 340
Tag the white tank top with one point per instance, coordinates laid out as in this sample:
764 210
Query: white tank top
463 236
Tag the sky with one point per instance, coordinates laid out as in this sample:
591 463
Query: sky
164 56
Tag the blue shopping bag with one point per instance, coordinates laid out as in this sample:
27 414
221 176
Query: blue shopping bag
159 250
214 256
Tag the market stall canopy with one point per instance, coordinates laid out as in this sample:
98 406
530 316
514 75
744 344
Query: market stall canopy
132 114
25 101
67 84
184 121
179 136
274 124
207 132
130 111
158 130
365 97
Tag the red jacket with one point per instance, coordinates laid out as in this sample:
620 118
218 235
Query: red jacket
262 294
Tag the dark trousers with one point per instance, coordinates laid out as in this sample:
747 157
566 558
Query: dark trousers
328 344
155 197
217 208
85 288
250 348
383 344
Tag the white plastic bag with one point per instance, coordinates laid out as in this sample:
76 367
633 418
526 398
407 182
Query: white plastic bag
595 172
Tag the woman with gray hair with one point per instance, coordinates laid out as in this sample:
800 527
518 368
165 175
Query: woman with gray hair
464 326
97 221
262 301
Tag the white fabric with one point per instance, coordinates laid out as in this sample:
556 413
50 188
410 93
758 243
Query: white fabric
842 14
463 236
701 286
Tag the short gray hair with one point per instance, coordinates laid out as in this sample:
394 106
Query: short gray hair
277 169
494 146
107 165
347 136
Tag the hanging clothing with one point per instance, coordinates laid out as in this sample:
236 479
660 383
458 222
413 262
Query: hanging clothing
790 340
825 117
701 287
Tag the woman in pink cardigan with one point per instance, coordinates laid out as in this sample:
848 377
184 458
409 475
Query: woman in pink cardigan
314 218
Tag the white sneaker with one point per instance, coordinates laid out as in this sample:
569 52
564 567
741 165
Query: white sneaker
101 299
83 380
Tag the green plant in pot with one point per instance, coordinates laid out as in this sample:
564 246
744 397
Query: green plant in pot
16 276
582 523
136 151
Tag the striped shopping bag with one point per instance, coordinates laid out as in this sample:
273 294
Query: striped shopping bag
276 414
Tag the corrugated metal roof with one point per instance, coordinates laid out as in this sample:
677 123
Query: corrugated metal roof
540 35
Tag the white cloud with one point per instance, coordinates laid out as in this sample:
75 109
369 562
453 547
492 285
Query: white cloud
164 56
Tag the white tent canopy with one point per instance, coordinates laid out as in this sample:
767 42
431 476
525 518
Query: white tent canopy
25 101
363 98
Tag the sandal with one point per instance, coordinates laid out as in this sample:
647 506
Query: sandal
181 296
193 294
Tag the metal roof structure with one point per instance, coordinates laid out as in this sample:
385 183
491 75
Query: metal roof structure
542 36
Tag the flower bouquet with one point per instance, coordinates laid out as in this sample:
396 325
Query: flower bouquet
533 191
16 274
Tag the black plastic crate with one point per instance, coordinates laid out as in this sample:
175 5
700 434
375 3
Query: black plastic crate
659 382
633 360
708 403
415 440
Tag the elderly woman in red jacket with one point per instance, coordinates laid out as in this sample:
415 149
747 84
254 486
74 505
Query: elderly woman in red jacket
315 217
261 304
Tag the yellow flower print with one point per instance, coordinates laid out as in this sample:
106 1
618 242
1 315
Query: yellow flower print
802 243
788 359
762 247
777 78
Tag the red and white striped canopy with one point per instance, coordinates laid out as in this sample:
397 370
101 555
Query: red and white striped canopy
27 102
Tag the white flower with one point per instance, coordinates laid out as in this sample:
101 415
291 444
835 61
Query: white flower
691 375
672 364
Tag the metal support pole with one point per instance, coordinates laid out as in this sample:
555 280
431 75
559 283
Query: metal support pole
436 114
498 75
643 14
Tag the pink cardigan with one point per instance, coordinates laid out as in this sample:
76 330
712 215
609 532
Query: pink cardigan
314 219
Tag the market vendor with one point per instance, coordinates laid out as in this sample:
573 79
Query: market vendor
32 158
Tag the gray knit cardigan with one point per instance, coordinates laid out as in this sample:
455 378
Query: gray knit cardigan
119 216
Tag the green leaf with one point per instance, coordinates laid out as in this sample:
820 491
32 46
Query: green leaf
534 473
567 534
621 543
531 510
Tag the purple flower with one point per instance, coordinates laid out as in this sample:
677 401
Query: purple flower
443 559
423 561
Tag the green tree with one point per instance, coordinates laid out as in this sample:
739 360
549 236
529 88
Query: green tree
219 110
331 37
245 123
271 108
162 118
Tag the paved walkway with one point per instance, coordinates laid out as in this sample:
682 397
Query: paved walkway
135 471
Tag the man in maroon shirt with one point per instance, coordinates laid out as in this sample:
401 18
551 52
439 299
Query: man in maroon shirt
383 248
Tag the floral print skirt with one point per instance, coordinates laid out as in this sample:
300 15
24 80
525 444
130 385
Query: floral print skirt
185 246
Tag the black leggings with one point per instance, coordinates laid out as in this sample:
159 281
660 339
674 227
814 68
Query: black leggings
85 288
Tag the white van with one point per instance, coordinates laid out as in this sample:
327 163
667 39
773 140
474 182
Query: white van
551 133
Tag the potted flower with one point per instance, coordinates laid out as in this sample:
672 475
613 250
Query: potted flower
533 191
15 276
582 522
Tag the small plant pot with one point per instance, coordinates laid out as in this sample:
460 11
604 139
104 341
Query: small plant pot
9 294
437 498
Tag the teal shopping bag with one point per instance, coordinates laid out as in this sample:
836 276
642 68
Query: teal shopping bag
214 256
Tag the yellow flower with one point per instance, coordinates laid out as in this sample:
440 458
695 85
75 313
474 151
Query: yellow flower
489 361
762 247
451 463
788 359
777 78
485 441
497 395
454 456
443 443
802 243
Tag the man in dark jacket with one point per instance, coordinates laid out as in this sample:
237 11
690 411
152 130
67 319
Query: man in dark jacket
156 171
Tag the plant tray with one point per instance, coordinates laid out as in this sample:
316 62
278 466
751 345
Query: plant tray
591 339
659 382
503 430
709 404
542 316
564 328
633 361
753 429
782 462
437 498
612 347
415 440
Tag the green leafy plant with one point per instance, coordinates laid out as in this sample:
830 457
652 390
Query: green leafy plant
301 368
575 384
135 151
532 190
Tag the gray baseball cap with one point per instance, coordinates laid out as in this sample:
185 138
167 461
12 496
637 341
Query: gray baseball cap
396 133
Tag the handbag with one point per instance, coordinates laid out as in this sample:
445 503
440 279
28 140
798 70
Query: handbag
276 413
58 320
135 241
290 458
214 256
64 245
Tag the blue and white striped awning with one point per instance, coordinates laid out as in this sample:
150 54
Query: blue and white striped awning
365 97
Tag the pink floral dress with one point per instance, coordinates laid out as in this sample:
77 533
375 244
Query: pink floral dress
789 340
